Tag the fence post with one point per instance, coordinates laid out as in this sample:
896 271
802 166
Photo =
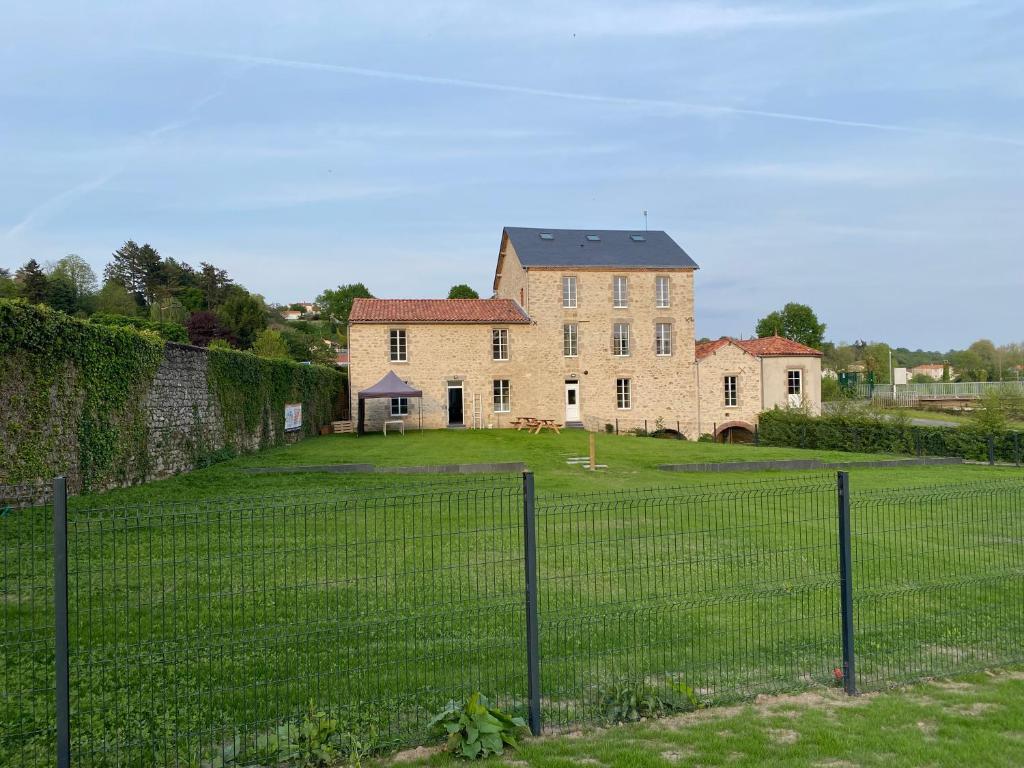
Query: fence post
60 604
1016 448
757 434
532 629
846 583
991 440
616 426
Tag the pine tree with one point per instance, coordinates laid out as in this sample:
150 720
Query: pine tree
32 281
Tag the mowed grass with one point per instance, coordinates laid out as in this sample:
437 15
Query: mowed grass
194 618
972 720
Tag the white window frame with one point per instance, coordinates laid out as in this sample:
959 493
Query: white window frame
399 406
731 387
620 342
663 343
620 292
499 343
398 345
501 395
794 374
570 294
570 340
662 292
623 394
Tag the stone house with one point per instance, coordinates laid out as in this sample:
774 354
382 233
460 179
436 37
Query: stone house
737 379
586 327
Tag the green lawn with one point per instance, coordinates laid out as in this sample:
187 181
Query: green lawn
192 616
977 720
632 463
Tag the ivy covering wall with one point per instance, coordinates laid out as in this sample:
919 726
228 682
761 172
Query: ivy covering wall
92 401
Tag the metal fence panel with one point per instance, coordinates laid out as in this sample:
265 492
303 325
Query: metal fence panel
197 631
723 591
27 685
938 579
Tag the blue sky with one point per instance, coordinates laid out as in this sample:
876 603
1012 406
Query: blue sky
866 158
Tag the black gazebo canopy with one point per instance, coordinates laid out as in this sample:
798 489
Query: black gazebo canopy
390 386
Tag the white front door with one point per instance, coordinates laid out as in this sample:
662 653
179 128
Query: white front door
572 401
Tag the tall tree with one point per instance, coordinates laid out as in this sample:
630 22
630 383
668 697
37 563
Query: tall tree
336 303
8 288
794 321
113 299
244 314
269 343
136 268
214 283
32 282
61 293
77 270
462 291
204 327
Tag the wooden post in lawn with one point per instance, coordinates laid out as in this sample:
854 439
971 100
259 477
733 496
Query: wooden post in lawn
593 452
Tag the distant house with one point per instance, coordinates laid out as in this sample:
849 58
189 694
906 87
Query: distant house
586 327
933 371
291 314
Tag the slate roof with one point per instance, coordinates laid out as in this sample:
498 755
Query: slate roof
769 346
613 248
437 311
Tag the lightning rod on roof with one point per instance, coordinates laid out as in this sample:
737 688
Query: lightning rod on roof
645 219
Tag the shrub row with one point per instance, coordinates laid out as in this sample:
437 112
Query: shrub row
865 434
166 331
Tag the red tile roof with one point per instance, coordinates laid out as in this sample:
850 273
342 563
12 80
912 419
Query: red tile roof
769 346
437 311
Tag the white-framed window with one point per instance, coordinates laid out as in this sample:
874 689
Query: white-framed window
399 406
729 383
499 343
620 292
570 340
661 292
623 394
398 345
569 291
502 396
663 339
620 339
794 382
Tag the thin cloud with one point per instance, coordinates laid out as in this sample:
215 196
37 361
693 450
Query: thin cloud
136 146
669 106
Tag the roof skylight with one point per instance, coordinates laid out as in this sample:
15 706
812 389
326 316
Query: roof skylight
594 238
546 236
638 238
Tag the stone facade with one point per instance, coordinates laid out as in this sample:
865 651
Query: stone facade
762 383
665 385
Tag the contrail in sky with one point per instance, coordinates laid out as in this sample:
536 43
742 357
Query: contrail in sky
669 105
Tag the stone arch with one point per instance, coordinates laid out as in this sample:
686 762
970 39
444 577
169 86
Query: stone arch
734 432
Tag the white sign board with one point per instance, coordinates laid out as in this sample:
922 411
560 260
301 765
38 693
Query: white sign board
292 416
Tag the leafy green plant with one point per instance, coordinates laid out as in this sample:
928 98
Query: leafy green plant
631 702
475 729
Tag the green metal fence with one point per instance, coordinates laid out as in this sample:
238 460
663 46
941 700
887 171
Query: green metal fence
196 631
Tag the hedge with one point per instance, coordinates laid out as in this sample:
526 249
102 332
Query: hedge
864 434
167 331
73 398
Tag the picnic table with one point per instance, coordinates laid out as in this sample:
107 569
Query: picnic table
535 425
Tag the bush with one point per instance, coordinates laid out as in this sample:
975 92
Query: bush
866 433
167 331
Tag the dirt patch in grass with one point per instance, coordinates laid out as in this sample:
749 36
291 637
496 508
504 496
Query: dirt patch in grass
783 736
928 728
419 753
975 709
678 755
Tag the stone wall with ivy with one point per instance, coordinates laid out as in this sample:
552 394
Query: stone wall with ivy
109 406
